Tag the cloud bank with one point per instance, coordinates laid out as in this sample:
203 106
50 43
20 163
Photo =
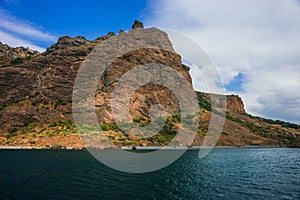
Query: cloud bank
257 41
16 32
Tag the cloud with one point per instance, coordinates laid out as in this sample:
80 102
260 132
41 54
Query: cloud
258 39
16 32
16 42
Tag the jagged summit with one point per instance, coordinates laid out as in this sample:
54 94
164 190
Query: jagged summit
80 40
137 24
67 41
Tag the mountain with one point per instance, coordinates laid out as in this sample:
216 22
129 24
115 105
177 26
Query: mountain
36 96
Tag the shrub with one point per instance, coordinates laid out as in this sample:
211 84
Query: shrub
225 133
17 61
13 130
35 102
2 106
138 119
29 56
109 127
60 103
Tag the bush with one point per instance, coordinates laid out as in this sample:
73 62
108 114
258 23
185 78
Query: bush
32 142
109 127
138 119
13 130
35 102
225 133
29 56
2 106
17 61
60 103
26 124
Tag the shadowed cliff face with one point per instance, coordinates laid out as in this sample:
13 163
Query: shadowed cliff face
39 89
46 81
145 96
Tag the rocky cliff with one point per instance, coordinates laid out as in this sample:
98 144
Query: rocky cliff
11 56
36 96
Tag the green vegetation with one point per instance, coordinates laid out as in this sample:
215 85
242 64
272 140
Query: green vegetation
109 127
203 101
224 133
35 102
168 132
29 56
13 130
265 131
57 103
20 60
25 124
2 106
16 61
60 103
11 133
139 119
32 142
278 122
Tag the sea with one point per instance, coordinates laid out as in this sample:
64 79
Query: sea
225 173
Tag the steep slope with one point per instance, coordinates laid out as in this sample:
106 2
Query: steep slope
36 98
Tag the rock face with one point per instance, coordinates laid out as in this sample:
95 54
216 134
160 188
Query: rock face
9 54
148 95
235 104
137 24
39 89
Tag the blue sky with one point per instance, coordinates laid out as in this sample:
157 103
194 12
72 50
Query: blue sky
88 18
254 44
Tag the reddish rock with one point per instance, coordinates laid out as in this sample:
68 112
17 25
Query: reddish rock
235 103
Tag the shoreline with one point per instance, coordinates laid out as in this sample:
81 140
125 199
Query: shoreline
141 148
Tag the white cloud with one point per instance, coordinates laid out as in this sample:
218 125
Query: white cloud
16 42
259 39
16 32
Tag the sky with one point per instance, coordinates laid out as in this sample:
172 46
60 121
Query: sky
255 45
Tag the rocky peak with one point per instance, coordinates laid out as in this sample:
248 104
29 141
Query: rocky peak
137 24
235 103
68 41
108 35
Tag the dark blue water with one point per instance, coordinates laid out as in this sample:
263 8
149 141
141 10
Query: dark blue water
260 173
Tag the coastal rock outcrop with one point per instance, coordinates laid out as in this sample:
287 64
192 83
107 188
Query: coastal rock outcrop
36 90
235 103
